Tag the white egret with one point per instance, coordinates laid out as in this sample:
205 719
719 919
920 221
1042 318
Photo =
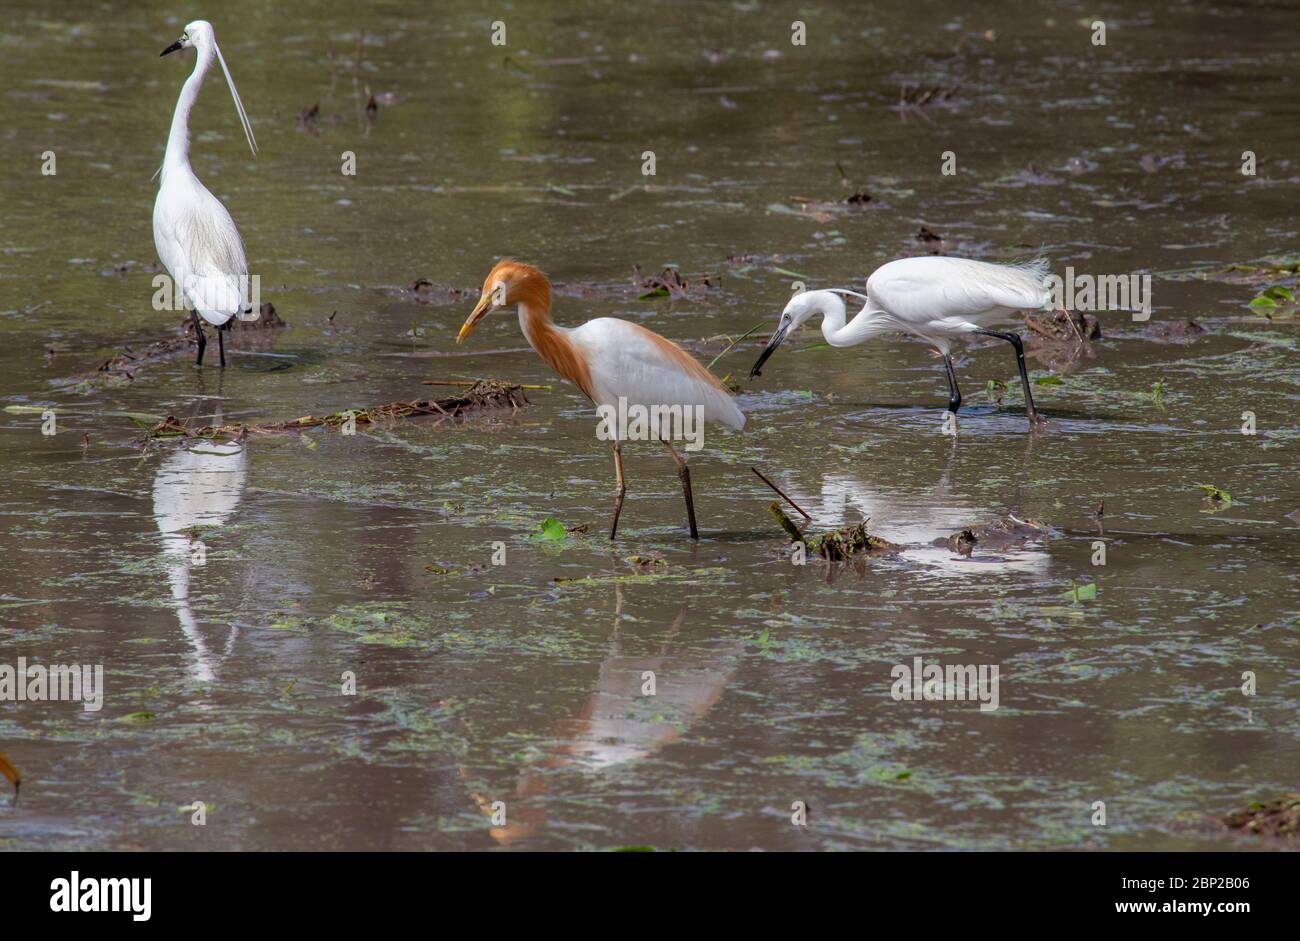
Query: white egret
194 234
936 298
617 364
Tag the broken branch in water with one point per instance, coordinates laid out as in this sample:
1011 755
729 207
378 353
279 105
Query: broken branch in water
786 523
780 493
486 393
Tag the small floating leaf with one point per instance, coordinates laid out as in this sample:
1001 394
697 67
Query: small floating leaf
1079 593
1220 498
552 530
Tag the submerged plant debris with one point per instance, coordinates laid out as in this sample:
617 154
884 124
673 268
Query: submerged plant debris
484 394
838 545
670 283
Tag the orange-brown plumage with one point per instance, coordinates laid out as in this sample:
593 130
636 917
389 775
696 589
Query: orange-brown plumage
618 365
528 288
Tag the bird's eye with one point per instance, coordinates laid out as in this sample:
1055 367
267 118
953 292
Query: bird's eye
185 37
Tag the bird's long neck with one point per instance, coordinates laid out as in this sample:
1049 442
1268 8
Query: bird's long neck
867 323
178 141
552 343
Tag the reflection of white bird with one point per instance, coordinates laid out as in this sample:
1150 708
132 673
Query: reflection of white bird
617 364
619 723
935 298
201 487
194 234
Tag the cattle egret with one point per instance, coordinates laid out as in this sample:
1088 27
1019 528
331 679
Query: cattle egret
194 234
617 364
935 298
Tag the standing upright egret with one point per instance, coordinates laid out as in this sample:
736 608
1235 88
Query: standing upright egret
617 364
936 298
194 234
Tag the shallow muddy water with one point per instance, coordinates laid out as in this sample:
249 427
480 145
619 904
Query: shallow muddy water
522 683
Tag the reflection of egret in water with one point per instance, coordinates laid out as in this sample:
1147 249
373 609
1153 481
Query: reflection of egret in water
195 488
915 521
619 724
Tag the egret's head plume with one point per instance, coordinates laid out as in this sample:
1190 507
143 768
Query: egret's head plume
201 36
509 283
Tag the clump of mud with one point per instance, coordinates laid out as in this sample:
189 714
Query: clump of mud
1064 326
1172 330
1061 339
1278 818
999 535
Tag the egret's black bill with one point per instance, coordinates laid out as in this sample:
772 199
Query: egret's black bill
768 351
172 48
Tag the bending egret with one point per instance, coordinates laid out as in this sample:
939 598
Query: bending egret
935 298
617 364
195 236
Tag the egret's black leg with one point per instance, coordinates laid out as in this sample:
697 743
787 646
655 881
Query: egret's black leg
198 332
221 343
954 394
1014 340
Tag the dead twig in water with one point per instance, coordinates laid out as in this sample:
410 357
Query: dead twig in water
472 382
780 493
744 336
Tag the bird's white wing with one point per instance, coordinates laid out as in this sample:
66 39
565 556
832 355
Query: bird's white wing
629 361
198 243
920 291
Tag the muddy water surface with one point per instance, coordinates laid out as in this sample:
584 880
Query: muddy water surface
522 683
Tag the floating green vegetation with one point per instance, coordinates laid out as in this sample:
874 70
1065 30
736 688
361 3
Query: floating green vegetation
1276 302
1262 271
1079 593
551 530
1217 498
